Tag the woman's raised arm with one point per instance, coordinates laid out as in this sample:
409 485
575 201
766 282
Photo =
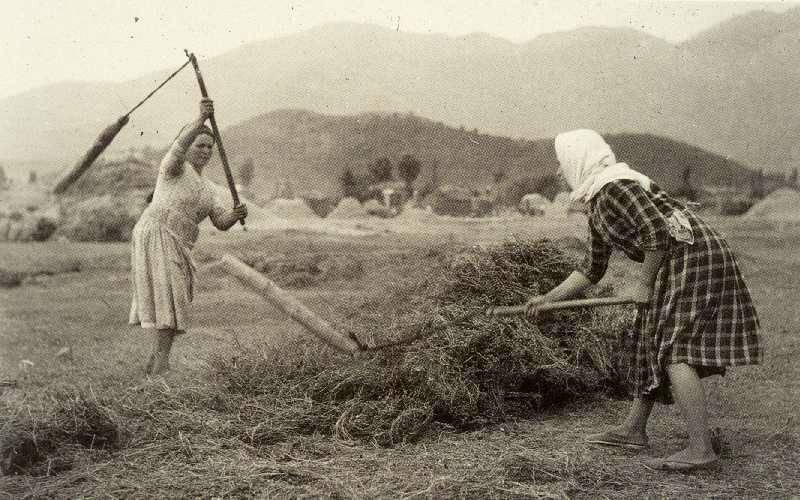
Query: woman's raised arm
172 164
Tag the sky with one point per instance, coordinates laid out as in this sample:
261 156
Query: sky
49 41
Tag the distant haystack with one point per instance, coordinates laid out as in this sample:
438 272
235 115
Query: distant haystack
24 198
348 208
781 205
295 208
416 214
254 211
452 200
533 204
374 207
561 205
562 200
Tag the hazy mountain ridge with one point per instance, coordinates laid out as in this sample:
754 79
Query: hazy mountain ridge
614 80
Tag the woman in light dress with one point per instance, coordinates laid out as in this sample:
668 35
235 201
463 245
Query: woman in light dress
162 270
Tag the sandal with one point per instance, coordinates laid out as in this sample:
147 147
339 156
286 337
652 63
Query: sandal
665 464
611 438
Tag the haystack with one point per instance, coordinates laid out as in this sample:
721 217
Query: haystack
294 208
374 207
452 200
533 204
464 370
348 208
101 218
782 205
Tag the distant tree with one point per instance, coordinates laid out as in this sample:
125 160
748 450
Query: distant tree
686 190
499 175
380 170
549 185
408 170
246 171
32 177
433 181
355 186
757 185
348 182
791 180
3 178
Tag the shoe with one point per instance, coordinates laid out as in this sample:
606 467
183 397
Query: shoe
665 464
611 438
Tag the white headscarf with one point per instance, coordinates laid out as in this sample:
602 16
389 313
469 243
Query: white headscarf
588 164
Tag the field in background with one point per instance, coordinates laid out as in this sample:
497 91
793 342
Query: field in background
76 296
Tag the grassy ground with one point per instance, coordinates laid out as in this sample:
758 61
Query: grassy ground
183 435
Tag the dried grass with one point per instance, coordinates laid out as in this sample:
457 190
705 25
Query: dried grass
460 375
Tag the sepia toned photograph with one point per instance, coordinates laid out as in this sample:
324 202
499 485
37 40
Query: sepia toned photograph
399 249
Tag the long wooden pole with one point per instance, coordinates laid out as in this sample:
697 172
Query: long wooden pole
288 304
103 140
217 135
554 306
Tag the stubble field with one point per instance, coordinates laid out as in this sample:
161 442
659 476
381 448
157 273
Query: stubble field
178 435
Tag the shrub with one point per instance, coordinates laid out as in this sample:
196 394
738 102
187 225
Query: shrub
10 279
45 227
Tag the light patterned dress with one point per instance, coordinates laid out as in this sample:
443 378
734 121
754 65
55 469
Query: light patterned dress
162 270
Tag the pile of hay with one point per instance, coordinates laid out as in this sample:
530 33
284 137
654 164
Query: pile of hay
47 441
295 208
452 200
533 204
101 218
782 205
348 208
458 375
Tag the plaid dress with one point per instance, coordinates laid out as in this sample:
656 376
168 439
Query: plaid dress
700 313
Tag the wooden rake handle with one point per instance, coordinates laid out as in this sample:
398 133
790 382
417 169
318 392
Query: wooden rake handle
554 306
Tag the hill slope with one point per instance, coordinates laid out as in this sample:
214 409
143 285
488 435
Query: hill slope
312 151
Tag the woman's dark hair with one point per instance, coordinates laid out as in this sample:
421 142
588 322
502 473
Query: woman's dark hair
205 129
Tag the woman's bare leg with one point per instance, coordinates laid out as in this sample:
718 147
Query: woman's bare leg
633 430
164 340
687 389
636 422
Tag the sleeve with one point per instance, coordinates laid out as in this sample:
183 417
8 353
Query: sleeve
628 208
172 162
217 206
595 262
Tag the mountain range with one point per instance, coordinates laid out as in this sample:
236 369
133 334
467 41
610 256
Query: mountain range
730 90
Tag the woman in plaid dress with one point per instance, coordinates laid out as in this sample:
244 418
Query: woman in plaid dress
695 316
